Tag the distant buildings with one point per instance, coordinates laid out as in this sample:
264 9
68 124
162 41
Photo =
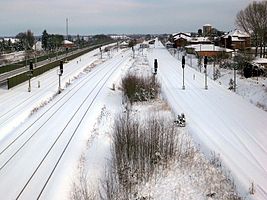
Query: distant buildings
183 39
207 30
211 42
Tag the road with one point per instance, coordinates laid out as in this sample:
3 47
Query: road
219 120
33 153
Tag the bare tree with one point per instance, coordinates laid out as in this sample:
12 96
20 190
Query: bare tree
253 20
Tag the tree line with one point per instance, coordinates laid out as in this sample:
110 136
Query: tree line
51 41
253 20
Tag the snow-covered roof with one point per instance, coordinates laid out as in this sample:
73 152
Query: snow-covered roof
208 47
237 33
200 39
168 42
13 40
124 43
206 25
261 60
181 33
236 39
182 36
67 42
37 46
119 37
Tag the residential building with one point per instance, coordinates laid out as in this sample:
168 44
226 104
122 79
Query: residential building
236 39
181 39
209 50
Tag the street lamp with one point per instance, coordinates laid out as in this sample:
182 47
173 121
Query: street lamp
183 65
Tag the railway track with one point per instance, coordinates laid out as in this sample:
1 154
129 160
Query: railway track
20 148
33 97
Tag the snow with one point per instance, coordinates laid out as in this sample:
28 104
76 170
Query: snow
261 60
237 34
208 47
67 42
219 120
65 120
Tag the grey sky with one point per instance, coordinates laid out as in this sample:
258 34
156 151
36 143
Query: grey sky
116 16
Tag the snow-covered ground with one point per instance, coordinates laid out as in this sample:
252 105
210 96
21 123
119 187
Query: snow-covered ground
42 132
219 120
12 57
253 90
47 124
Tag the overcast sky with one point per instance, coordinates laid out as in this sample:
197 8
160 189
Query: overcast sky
116 16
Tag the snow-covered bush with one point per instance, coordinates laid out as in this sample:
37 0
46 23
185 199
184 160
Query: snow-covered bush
137 88
138 149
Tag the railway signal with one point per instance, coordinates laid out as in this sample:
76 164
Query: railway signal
155 66
183 65
205 66
60 72
30 75
100 52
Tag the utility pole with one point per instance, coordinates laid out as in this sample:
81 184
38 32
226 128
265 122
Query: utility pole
205 66
67 28
183 65
35 64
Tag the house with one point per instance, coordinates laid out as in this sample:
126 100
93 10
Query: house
37 46
68 44
169 44
181 39
236 39
209 50
124 44
144 45
200 40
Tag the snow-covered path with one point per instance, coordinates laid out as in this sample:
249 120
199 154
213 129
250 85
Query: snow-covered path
33 154
219 120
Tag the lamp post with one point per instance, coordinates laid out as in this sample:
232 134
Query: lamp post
183 65
205 66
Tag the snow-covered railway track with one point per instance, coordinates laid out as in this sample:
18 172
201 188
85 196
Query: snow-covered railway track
45 150
22 103
61 101
220 121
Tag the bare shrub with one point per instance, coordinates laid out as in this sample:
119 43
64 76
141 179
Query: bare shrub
138 149
140 88
82 189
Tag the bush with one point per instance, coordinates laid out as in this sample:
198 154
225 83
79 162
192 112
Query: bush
140 88
138 149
